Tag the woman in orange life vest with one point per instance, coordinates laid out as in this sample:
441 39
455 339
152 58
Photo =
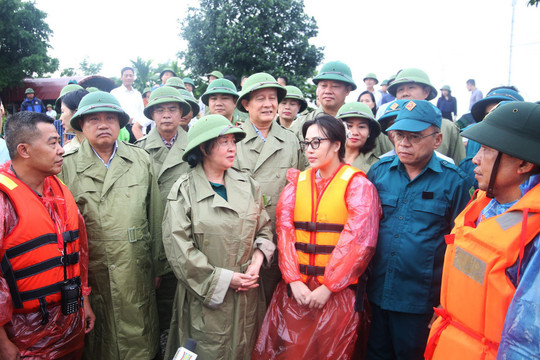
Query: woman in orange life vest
327 225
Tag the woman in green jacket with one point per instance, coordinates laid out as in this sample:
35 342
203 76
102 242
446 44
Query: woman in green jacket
217 236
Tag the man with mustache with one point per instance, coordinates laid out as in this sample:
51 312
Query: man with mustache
115 188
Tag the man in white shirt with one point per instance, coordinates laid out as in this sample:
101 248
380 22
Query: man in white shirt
130 100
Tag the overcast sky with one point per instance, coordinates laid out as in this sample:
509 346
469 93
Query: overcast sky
450 40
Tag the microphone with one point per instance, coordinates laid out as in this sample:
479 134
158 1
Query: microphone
186 352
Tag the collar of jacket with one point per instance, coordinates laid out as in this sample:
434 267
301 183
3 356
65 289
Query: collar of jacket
276 131
88 158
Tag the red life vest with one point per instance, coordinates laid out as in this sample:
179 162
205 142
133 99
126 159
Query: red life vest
476 292
32 260
319 219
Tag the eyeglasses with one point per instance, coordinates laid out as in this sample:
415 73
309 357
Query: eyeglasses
315 143
412 138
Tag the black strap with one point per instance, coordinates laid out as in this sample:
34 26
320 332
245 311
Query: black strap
7 273
31 245
46 290
70 235
318 227
314 248
310 270
66 260
44 311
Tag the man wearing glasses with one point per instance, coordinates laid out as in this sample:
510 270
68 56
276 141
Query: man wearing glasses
421 194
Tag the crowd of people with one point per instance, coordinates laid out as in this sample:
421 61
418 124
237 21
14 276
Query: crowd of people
385 228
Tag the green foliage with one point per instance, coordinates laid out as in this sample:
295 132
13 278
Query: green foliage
68 72
533 2
87 68
24 41
242 37
144 72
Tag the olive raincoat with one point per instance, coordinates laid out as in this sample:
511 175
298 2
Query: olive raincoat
123 212
207 239
168 167
268 162
168 163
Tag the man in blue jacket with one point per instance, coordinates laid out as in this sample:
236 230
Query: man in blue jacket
32 103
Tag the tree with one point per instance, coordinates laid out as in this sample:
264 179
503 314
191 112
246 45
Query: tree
24 41
242 37
144 71
88 68
68 72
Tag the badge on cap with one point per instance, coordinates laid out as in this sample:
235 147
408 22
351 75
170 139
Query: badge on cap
394 106
410 105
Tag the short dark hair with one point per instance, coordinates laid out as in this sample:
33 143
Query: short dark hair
125 69
471 82
284 78
72 99
332 128
22 128
196 156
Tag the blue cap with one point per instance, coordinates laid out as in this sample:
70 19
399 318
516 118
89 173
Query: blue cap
478 111
390 113
416 116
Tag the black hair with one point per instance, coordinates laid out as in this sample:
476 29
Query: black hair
196 156
72 99
332 128
125 69
471 82
22 128
284 78
374 110
232 79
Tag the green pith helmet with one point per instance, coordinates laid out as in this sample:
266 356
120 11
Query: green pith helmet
98 101
66 89
360 110
513 128
478 110
446 87
165 70
219 86
166 94
215 73
335 70
146 89
175 82
92 89
187 80
412 75
210 127
186 95
371 76
295 93
384 82
256 82
29 91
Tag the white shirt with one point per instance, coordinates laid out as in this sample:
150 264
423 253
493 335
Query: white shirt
132 103
51 113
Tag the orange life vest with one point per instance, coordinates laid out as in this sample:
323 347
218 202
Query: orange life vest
319 219
476 292
32 260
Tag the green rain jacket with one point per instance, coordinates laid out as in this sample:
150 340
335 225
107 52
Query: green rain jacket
207 239
168 163
123 212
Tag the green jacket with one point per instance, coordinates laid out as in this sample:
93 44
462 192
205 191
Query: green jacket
268 162
123 212
207 239
168 164
296 126
364 161
452 142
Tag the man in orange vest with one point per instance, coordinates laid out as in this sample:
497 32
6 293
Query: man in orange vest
43 250
492 250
